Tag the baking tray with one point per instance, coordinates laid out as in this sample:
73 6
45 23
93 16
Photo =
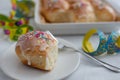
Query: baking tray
73 28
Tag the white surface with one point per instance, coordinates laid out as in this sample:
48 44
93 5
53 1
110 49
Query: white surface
66 64
73 28
5 7
88 70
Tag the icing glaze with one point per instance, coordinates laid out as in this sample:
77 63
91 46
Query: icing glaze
55 4
35 38
28 59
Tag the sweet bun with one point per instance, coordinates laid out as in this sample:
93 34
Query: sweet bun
38 49
118 18
57 11
103 11
42 19
82 10
61 11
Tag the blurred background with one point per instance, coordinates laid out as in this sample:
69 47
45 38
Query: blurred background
15 18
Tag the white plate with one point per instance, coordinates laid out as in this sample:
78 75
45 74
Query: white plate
73 28
66 64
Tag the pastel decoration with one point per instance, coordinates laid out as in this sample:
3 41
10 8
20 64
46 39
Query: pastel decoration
118 42
87 46
3 19
0 24
113 43
6 28
13 1
14 7
7 32
15 27
24 8
16 32
12 14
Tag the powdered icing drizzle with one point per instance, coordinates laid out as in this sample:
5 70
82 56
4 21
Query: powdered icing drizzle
50 4
35 38
77 3
54 4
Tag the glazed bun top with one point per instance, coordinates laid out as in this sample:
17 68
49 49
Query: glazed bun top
51 5
33 39
54 4
67 11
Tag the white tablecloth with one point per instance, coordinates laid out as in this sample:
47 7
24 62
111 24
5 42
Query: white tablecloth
88 69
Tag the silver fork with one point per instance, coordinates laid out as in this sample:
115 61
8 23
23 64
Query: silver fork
65 44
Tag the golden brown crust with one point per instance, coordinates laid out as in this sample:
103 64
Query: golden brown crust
42 19
75 12
103 11
58 17
118 18
34 57
95 11
85 13
19 54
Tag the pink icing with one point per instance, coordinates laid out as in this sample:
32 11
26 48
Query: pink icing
52 4
36 38
63 4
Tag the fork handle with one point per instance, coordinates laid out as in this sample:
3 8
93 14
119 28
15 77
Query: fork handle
104 64
67 44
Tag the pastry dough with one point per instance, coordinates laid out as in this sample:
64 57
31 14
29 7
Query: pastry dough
82 10
57 11
61 11
38 49
103 11
42 19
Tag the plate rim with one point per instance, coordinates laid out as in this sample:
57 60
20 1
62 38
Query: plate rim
12 77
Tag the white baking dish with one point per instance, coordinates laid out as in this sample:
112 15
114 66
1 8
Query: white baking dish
73 28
